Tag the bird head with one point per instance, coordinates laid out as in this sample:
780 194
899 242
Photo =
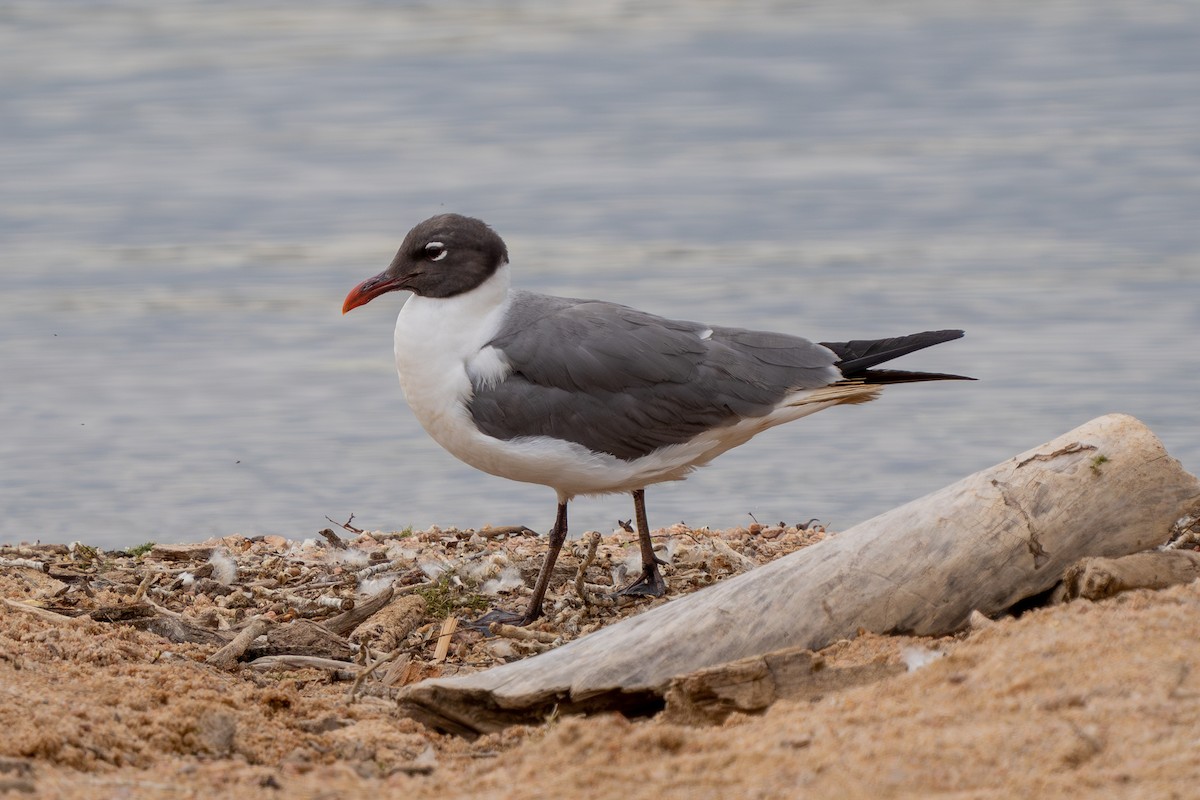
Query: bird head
443 256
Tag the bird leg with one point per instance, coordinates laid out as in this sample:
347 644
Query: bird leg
558 535
650 583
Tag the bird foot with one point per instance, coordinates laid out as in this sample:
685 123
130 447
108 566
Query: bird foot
484 623
650 584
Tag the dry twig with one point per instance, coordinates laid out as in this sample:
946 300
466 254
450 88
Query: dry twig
449 626
143 586
523 634
40 613
341 670
227 656
580 584
366 671
344 526
26 563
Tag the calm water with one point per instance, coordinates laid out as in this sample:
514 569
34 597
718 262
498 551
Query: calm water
190 189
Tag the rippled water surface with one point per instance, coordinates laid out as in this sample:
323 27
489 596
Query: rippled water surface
190 189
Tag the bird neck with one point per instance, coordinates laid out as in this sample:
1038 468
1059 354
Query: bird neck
451 328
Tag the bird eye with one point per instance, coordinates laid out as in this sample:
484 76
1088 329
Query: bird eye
435 251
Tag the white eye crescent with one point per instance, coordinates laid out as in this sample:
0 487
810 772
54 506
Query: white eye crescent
436 251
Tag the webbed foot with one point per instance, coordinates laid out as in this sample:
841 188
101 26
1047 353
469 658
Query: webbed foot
650 584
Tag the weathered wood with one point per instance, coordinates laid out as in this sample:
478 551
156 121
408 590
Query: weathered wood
342 670
180 629
1098 578
347 621
227 657
43 614
388 629
750 685
181 552
123 612
23 563
449 626
300 637
1107 488
334 540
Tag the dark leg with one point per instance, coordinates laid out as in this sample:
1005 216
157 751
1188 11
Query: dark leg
558 535
650 583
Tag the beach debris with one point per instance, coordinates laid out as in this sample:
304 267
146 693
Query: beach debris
381 609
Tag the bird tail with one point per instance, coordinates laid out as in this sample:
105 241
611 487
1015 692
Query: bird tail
856 358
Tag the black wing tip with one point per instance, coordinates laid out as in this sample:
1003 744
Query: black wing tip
930 338
857 357
882 376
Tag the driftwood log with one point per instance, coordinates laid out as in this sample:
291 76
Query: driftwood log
1000 536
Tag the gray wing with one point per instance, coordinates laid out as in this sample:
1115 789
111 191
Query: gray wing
620 381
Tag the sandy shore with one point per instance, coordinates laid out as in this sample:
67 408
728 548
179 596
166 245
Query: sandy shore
1099 699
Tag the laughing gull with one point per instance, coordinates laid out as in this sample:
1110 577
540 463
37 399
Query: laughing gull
589 397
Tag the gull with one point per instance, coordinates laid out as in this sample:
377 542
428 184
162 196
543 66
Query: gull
589 397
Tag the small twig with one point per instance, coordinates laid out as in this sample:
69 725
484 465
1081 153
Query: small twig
227 657
580 584
162 609
345 525
376 569
695 539
488 532
366 671
342 670
443 642
40 613
524 634
27 563
321 601
342 624
144 585
302 604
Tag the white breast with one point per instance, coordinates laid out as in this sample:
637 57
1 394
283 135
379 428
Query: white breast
437 341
